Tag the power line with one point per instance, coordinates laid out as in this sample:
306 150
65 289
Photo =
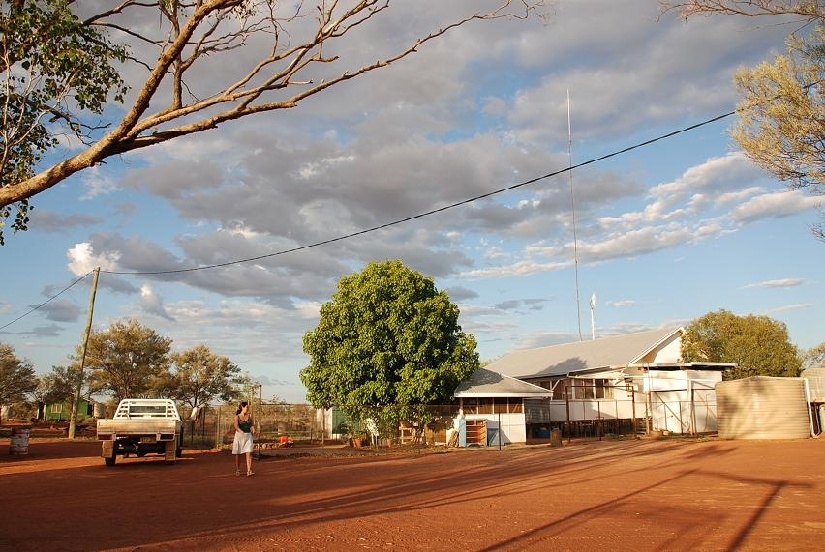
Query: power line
392 223
44 303
570 167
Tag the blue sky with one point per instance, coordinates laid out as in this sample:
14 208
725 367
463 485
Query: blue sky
663 233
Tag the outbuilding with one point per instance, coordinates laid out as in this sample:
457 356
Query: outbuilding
491 408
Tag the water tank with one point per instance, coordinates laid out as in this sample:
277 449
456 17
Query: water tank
816 382
99 410
763 407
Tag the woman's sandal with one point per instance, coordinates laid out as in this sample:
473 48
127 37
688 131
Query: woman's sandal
250 474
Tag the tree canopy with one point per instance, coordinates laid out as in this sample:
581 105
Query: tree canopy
197 376
57 386
781 113
54 66
260 56
782 103
814 357
759 345
124 359
388 338
17 378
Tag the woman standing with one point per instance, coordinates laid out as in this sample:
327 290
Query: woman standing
243 444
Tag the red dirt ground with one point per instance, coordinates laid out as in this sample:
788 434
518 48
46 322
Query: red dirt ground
671 494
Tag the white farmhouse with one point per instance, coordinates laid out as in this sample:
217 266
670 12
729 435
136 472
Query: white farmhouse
616 384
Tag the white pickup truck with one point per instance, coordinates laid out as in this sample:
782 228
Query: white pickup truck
140 427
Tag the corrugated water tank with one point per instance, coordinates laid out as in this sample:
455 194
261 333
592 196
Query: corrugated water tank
816 383
763 407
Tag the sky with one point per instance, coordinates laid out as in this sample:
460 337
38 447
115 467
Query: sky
649 238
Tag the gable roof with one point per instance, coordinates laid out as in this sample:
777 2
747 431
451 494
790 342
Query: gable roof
579 356
486 383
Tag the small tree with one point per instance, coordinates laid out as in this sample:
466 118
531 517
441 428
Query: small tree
814 357
387 343
197 376
58 386
758 345
17 378
123 360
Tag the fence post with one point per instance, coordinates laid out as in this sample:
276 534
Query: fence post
567 410
218 428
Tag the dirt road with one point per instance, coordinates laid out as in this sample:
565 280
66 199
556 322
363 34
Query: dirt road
626 495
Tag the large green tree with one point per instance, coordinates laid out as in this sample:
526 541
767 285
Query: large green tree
54 67
17 378
388 341
197 376
260 56
124 359
759 345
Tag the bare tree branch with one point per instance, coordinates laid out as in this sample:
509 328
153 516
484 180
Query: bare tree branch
193 34
809 10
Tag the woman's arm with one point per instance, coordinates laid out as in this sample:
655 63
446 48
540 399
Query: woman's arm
236 423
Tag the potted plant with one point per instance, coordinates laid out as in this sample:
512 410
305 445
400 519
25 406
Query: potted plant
360 438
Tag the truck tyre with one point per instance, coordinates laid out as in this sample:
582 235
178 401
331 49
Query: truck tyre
110 460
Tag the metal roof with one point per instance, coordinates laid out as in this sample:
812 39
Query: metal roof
614 351
486 383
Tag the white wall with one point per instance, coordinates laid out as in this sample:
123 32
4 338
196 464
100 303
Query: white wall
665 395
513 426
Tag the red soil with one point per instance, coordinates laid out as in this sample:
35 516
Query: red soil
671 494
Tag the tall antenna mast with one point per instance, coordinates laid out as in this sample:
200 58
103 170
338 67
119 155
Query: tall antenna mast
573 210
593 315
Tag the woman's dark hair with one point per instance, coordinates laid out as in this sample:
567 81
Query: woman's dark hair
243 403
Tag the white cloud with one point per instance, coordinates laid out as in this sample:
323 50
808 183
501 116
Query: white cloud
784 282
152 303
82 259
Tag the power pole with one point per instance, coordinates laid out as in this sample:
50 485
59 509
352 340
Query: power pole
76 402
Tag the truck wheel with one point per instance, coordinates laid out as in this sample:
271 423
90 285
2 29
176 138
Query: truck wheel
110 460
178 452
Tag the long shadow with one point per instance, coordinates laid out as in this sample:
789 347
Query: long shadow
488 482
411 482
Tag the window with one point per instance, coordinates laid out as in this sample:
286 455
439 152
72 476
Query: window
604 389
503 405
585 389
559 389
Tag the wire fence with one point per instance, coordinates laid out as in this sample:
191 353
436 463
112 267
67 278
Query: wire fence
506 420
214 426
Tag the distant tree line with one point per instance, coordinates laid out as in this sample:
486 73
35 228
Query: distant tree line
125 360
